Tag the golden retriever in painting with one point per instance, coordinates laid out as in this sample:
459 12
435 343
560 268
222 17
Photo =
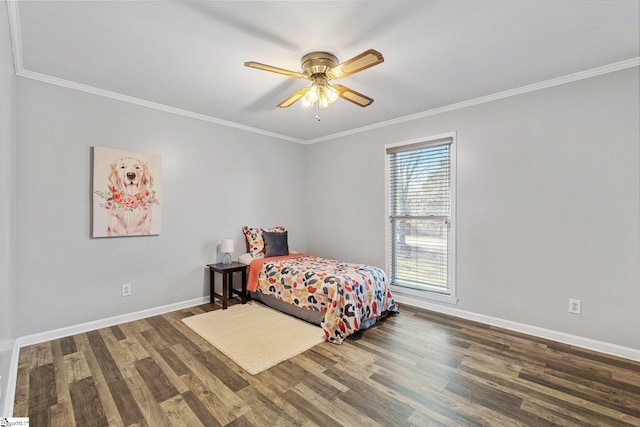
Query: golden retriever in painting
129 179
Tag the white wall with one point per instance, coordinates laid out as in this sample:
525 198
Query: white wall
548 204
215 180
7 195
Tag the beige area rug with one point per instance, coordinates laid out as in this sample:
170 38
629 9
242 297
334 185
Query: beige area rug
254 336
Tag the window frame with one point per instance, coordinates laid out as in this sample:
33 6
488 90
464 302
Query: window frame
425 294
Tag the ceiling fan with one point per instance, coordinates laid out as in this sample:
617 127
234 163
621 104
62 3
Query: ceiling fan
320 68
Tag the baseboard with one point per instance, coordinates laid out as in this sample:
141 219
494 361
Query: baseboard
78 329
603 347
587 343
10 392
104 323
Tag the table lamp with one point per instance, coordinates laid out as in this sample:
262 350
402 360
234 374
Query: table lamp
226 247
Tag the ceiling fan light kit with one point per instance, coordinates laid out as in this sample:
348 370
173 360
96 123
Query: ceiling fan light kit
320 68
321 92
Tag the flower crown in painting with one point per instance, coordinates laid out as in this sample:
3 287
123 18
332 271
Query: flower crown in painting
118 199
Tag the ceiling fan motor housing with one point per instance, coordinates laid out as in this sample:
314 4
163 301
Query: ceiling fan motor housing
318 63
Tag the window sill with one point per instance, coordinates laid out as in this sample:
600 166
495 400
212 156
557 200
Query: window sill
423 295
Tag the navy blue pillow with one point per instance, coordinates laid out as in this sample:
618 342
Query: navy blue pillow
275 244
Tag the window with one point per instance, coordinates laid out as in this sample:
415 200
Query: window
421 213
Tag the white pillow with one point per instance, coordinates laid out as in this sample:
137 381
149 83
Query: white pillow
245 258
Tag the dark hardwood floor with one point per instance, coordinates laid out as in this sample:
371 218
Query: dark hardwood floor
418 368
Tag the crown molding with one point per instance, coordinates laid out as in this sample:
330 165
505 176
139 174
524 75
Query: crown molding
16 42
150 104
14 24
569 78
14 29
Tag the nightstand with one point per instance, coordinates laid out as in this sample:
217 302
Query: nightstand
227 270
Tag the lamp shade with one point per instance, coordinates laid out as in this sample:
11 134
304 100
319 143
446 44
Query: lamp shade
226 247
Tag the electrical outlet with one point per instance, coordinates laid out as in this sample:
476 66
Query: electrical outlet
575 306
126 289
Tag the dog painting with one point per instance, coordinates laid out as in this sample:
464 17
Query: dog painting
126 193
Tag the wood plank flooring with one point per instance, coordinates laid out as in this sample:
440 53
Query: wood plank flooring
418 368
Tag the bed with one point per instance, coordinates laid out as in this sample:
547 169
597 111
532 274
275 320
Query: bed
339 296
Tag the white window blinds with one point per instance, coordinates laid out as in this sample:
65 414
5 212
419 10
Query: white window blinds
420 214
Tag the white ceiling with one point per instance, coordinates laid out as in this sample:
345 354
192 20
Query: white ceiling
189 55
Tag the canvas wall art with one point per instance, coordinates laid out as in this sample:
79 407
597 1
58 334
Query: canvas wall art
126 193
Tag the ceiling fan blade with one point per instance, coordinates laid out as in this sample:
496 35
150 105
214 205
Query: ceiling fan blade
273 69
358 63
293 98
352 96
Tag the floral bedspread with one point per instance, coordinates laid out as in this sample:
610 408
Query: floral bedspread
350 295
